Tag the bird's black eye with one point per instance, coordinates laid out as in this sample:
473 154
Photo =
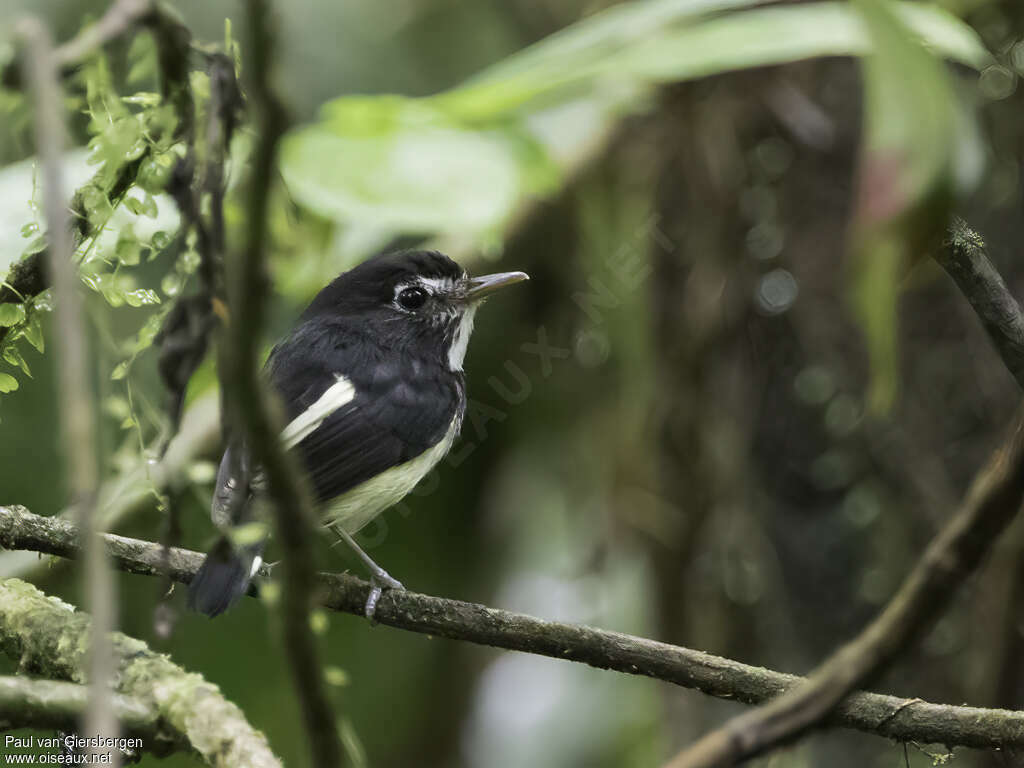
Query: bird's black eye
412 298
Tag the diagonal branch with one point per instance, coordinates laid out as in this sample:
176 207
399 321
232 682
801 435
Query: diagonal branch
993 501
964 258
953 554
887 716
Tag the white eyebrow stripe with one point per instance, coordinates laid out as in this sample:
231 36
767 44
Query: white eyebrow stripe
339 394
438 284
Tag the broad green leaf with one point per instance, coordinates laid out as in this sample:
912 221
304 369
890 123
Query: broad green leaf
411 171
33 333
569 55
462 162
11 314
784 34
8 383
651 53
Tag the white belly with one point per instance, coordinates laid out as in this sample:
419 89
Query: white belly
358 506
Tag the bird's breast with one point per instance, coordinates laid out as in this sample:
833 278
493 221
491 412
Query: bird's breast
358 506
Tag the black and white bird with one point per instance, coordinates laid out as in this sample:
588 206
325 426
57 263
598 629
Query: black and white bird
372 385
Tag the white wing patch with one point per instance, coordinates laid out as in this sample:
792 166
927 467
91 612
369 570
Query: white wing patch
306 423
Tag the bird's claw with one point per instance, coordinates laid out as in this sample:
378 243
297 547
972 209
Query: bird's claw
378 583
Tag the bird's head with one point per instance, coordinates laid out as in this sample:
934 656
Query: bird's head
413 297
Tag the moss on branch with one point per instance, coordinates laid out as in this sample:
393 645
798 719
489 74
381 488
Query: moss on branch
904 719
49 638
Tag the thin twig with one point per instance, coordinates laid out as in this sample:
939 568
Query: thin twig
888 716
78 423
252 413
993 501
963 256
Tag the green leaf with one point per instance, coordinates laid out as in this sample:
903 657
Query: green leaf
11 314
141 297
13 356
160 240
149 208
155 172
128 249
376 180
33 333
38 245
8 383
120 370
462 161
148 331
657 42
783 34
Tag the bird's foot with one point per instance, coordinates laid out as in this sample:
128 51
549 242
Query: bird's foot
379 581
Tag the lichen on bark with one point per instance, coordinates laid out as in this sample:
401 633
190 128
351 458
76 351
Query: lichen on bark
49 638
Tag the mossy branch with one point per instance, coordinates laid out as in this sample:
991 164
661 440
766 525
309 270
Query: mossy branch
34 703
904 719
48 637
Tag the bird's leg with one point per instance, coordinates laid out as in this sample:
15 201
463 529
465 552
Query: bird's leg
379 578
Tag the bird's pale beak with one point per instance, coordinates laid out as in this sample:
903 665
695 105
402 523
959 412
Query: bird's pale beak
480 287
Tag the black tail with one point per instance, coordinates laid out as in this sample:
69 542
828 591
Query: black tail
223 577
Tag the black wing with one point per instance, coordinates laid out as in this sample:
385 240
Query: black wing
402 405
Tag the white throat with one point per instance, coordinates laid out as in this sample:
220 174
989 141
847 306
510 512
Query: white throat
460 340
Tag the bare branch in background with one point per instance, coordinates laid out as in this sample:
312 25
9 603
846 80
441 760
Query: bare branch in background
47 636
251 409
991 504
993 501
74 374
887 716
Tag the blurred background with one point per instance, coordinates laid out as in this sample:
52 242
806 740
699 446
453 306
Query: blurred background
669 432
